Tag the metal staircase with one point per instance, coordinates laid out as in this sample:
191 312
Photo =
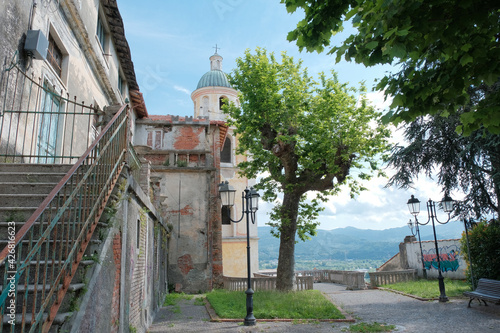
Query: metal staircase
23 187
47 217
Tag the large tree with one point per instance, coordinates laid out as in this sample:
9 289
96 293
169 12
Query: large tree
470 164
442 47
302 135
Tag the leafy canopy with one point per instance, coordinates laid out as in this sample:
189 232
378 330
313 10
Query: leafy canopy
484 260
301 134
443 49
468 164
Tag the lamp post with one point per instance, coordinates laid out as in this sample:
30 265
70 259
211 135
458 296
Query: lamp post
417 229
447 205
250 205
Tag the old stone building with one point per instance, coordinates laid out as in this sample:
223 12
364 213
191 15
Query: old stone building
87 245
189 157
212 91
109 222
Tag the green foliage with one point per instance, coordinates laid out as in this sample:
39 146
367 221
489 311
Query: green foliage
94 257
430 288
302 134
15 216
173 298
470 164
484 247
443 48
306 304
199 301
182 163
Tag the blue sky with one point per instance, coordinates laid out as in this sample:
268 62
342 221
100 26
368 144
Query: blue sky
171 42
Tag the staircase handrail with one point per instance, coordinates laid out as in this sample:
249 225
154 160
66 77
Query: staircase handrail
90 181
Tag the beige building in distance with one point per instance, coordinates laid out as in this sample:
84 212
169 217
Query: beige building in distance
208 99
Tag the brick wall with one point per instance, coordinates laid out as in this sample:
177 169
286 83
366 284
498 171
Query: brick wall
115 310
215 223
138 272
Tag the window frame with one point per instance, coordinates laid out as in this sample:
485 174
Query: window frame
101 32
221 102
54 52
227 150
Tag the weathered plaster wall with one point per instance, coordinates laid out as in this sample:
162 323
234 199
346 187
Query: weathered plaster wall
234 253
206 101
185 204
89 73
233 250
14 18
128 282
186 194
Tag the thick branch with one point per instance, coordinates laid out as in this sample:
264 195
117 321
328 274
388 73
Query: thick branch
321 179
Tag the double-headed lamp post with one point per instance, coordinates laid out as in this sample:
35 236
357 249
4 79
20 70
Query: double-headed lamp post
447 205
250 205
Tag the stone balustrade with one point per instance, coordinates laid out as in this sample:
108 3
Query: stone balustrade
353 280
241 283
264 282
303 279
388 277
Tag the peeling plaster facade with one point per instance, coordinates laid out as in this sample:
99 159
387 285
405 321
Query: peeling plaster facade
190 157
184 156
207 101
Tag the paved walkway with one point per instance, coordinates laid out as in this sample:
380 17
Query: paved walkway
406 313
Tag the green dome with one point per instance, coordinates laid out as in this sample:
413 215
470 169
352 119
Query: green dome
214 78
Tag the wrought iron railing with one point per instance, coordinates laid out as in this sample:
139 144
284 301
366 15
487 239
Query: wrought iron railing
39 125
52 242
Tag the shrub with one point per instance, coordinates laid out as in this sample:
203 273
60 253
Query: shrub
484 243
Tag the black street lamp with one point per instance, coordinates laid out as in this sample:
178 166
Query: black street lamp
417 232
447 205
250 205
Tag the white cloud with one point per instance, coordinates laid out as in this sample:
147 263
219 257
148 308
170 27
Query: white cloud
378 99
182 89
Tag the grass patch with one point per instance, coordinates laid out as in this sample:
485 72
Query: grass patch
430 288
199 301
306 304
172 299
373 327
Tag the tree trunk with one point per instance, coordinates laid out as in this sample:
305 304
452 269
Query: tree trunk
495 162
286 260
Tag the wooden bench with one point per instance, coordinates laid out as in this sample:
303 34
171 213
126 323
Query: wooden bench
487 290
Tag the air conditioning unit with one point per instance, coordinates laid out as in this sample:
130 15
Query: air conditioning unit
36 44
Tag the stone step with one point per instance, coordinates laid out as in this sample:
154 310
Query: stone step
49 250
21 289
34 298
62 226
58 320
41 168
21 200
8 214
22 188
31 177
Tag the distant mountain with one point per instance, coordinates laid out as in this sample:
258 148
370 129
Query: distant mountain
352 243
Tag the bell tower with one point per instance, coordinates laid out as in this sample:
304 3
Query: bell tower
212 90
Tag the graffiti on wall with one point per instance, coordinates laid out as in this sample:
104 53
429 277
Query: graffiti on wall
448 256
